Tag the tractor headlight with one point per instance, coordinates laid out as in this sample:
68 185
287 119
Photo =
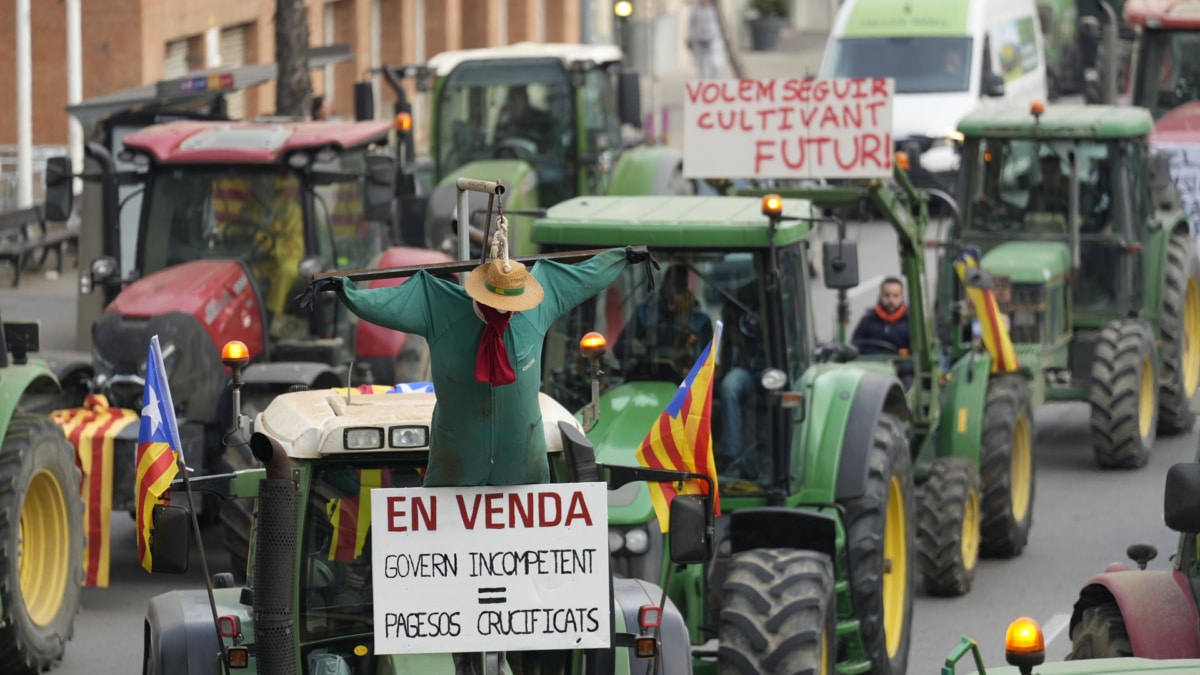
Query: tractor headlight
615 541
637 541
409 437
364 438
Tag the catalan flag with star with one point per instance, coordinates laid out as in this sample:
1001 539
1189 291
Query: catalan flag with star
158 443
991 323
681 438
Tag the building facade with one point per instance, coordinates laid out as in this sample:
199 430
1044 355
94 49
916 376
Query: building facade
127 43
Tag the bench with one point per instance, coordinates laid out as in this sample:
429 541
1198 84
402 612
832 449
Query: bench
26 232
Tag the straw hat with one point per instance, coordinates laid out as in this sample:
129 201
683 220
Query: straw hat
513 291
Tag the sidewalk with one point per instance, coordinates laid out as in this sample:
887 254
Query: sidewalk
798 54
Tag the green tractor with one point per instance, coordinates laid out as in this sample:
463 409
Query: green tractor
311 601
41 533
1091 260
546 120
815 564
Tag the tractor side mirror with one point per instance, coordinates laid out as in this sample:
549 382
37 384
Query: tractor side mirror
840 263
379 187
169 539
629 99
1181 498
689 529
993 85
60 193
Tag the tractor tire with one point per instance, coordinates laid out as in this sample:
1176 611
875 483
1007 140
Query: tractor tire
878 529
1180 333
1124 397
1006 467
948 527
778 614
41 544
1100 634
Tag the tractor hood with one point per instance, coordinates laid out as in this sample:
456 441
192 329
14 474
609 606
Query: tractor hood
627 413
218 293
313 424
1028 262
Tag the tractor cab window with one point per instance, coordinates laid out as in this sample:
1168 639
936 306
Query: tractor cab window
603 128
655 337
1169 70
335 576
925 65
509 110
347 240
252 213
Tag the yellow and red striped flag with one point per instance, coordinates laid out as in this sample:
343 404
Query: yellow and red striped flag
991 322
681 439
351 516
158 443
93 429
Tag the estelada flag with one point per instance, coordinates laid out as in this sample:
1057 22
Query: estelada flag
681 439
158 443
991 324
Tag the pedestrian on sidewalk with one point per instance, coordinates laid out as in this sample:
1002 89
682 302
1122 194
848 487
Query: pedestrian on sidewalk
704 39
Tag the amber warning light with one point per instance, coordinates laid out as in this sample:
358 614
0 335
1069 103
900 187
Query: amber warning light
235 353
1037 108
772 205
1024 644
902 160
404 122
592 343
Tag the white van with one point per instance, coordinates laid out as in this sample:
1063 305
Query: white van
947 57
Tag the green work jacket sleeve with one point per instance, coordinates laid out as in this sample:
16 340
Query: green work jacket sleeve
568 285
411 307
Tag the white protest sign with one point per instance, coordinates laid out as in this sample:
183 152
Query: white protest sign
788 128
1185 174
473 569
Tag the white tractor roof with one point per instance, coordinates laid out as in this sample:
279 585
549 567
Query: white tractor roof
569 54
312 424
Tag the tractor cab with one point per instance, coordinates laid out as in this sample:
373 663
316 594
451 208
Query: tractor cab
1051 200
1166 65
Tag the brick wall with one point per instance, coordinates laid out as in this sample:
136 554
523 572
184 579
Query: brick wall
124 43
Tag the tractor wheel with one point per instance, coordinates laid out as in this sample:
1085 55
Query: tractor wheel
1006 467
1124 396
778 614
1100 634
882 549
948 527
41 544
1180 332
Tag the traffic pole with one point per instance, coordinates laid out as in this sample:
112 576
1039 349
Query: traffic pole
24 108
75 85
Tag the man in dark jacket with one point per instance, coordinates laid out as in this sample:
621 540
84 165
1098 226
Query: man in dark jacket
884 328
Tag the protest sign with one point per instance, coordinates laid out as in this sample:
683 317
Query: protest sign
475 569
788 128
1185 174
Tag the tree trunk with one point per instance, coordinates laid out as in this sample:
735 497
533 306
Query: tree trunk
293 88
734 54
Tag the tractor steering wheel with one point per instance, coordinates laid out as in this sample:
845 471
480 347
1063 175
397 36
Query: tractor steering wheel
243 234
881 344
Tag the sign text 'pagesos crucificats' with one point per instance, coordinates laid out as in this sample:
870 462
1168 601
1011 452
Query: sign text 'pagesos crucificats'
788 128
473 569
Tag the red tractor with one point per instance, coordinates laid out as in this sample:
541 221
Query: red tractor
212 228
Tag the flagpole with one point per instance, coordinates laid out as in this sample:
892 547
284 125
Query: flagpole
164 390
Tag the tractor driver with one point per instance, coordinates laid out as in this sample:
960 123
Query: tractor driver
271 224
667 326
520 119
1051 195
884 328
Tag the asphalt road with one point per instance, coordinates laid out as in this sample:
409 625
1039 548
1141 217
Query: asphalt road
1084 518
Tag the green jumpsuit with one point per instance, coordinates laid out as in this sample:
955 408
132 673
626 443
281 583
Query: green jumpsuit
483 435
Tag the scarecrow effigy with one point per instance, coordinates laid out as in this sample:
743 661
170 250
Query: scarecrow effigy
485 341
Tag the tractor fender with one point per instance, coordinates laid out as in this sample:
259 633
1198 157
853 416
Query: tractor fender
372 340
1159 612
312 375
29 379
1154 266
961 431
675 656
783 527
645 170
180 637
843 408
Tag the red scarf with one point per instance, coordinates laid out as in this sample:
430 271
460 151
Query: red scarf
890 317
491 362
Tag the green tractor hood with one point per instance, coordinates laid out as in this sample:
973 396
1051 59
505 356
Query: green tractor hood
1028 262
519 179
627 413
